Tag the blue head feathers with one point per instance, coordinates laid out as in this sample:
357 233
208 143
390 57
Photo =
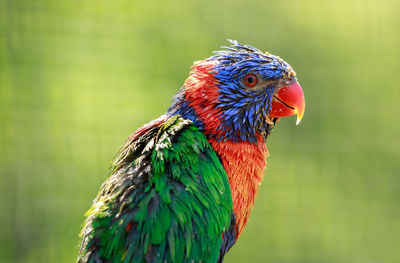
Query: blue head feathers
246 80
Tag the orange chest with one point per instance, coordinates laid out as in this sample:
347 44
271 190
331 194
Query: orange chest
244 163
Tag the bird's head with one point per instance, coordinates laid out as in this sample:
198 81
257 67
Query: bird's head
239 93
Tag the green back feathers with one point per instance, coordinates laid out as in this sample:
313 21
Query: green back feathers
167 200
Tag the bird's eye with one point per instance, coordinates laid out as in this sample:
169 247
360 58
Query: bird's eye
250 80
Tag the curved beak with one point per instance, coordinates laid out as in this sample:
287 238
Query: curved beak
288 101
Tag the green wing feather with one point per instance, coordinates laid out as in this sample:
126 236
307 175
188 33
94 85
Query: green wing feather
167 200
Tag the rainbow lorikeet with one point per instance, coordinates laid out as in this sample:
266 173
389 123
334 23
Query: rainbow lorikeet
182 187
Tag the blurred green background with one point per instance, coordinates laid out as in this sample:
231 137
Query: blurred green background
77 77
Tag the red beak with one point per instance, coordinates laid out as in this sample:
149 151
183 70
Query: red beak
288 101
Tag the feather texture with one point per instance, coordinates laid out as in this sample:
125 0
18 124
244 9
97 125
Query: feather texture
182 187
167 200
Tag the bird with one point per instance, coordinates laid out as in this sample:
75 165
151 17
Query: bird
182 187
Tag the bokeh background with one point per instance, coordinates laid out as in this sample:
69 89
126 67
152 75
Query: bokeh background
77 77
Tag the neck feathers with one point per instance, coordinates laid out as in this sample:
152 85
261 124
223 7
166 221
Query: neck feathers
244 163
243 160
197 100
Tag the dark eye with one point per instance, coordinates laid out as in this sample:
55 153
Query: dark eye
250 80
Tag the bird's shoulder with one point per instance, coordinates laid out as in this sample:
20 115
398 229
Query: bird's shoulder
167 199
